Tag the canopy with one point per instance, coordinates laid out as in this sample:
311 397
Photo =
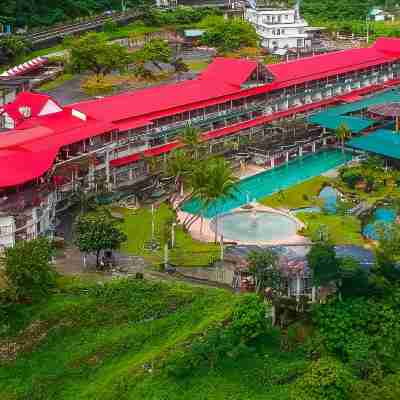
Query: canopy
382 142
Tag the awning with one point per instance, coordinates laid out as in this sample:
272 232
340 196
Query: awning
157 151
154 152
330 121
132 124
350 98
25 67
119 162
382 142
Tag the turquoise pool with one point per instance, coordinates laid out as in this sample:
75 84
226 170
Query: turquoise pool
269 182
382 215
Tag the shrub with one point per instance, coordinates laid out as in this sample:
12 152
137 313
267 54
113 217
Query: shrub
28 270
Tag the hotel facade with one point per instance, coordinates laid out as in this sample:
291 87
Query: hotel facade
49 151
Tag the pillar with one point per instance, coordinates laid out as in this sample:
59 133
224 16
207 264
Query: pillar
298 287
108 168
313 294
301 151
324 141
272 162
314 147
287 156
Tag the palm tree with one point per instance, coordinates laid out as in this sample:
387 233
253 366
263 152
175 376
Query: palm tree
179 165
342 133
191 138
219 185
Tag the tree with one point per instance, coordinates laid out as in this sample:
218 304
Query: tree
92 52
231 34
353 279
342 133
12 47
325 379
388 253
324 264
216 182
179 165
28 270
191 139
154 50
96 232
264 267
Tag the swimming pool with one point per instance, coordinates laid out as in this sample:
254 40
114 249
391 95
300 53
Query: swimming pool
269 182
382 215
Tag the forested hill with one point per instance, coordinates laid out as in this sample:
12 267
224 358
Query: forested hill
341 9
48 12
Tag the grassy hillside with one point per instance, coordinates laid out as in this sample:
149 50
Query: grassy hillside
113 341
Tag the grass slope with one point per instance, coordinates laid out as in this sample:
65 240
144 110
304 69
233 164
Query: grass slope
92 342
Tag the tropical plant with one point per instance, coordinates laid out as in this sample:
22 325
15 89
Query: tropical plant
180 165
191 139
217 185
323 263
264 267
342 133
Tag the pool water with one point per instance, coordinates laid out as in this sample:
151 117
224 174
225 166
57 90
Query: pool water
269 182
261 226
385 215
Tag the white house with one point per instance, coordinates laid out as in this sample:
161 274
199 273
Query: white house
377 14
278 25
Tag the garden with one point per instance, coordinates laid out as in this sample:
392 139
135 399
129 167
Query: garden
347 209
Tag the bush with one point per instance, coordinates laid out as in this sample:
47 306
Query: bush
325 379
249 319
98 85
28 270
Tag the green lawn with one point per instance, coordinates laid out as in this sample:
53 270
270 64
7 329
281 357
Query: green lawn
187 252
341 229
197 65
301 195
91 341
56 82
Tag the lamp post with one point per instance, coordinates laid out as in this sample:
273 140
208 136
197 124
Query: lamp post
152 222
173 234
367 26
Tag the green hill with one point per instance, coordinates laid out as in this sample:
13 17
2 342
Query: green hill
93 341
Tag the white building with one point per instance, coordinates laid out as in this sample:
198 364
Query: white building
278 25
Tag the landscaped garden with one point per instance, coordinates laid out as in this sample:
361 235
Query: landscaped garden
137 225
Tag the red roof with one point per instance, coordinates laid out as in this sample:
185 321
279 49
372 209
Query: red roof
27 154
153 152
320 66
230 70
30 151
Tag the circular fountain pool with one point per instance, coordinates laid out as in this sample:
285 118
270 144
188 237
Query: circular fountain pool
256 226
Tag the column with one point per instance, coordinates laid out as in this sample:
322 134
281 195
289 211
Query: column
314 147
287 156
272 162
107 161
313 294
301 151
298 287
324 142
